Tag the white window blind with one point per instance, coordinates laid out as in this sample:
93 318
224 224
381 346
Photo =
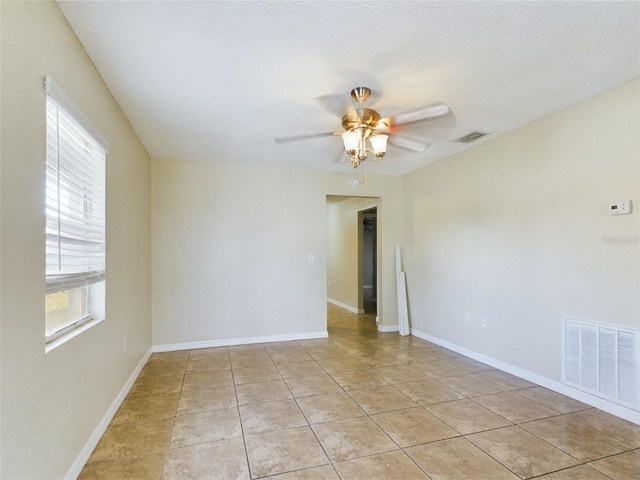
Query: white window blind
75 196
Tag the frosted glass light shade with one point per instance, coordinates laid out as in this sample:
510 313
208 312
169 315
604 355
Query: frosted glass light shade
351 140
379 143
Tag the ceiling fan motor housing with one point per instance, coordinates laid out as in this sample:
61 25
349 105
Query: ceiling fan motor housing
367 118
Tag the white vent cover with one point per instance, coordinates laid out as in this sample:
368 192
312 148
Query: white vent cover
602 360
471 137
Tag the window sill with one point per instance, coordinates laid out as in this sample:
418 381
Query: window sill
56 342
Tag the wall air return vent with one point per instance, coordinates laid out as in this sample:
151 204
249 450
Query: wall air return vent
602 360
471 137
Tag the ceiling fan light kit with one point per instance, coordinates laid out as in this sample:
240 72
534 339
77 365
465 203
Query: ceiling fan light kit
362 125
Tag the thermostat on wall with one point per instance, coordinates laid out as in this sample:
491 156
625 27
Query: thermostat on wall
620 208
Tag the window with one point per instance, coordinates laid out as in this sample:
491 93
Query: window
75 217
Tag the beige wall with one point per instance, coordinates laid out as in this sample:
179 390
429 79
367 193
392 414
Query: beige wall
52 403
516 230
0 241
232 241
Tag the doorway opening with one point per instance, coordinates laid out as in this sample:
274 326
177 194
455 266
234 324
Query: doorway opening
353 250
368 260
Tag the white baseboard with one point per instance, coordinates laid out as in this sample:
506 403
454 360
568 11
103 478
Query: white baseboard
388 328
345 306
95 437
597 402
238 341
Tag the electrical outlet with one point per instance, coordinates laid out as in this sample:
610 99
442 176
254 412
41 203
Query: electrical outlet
483 322
276 309
467 318
125 342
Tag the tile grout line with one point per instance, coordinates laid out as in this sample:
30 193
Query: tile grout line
313 432
244 438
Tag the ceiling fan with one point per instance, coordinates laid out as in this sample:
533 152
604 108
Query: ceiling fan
366 131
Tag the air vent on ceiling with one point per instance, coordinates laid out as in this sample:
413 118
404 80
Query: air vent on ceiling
471 137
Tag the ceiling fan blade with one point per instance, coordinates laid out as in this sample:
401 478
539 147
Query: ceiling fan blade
407 143
341 157
308 136
421 114
336 104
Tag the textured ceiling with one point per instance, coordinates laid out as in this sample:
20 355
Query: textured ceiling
218 81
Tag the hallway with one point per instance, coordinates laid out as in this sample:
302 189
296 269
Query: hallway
358 405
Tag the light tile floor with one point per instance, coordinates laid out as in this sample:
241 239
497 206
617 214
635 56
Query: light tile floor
358 405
